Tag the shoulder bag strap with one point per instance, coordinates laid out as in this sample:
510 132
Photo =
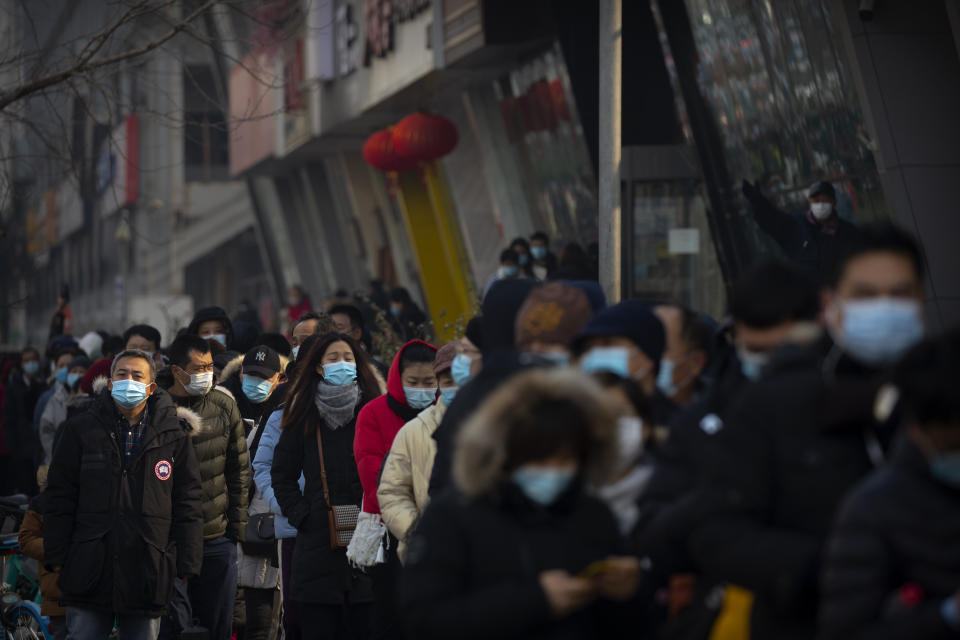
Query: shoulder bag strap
323 470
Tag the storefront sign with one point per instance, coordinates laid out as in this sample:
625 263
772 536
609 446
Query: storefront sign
334 35
380 17
254 99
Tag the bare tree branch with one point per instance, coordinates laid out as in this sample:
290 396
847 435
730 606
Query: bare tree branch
85 64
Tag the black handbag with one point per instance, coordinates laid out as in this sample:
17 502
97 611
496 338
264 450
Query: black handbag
260 537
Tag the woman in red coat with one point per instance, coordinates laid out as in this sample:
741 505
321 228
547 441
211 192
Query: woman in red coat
411 388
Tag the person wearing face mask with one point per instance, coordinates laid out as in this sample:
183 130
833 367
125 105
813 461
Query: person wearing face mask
334 384
806 432
509 269
67 394
406 318
543 262
221 449
521 549
213 323
632 469
626 339
687 354
19 402
404 482
253 380
549 319
411 388
814 240
891 568
123 492
774 303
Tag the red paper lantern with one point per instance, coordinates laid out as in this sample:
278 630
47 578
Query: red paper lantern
379 152
424 137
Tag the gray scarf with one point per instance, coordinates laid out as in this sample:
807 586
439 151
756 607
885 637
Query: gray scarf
337 404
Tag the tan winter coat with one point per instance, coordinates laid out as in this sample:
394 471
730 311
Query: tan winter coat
405 480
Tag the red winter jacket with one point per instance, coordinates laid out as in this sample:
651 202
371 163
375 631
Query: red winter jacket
377 426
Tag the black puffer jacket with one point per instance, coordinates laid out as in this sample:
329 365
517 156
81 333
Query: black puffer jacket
122 532
900 528
795 443
221 446
321 574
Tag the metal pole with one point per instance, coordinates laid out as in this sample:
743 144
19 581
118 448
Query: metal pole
610 214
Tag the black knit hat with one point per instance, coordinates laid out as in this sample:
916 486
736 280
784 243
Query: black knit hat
822 188
633 320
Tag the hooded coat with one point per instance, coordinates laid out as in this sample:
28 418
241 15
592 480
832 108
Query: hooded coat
119 529
377 425
500 361
475 558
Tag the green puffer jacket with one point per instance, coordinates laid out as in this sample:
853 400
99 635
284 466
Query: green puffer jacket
221 448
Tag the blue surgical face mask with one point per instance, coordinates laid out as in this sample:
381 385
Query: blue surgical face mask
945 467
665 378
72 379
339 373
419 398
508 271
460 369
752 364
394 311
31 368
295 351
538 253
448 394
256 389
523 259
543 485
878 331
61 375
128 393
219 337
613 359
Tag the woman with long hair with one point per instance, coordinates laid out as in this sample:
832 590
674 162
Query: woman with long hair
334 382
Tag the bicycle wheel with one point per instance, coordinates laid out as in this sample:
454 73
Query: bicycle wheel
26 623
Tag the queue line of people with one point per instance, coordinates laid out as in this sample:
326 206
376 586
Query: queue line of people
563 469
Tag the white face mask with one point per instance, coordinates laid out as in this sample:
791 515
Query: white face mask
200 383
629 441
821 210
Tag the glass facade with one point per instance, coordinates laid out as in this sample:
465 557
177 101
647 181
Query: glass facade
772 101
546 137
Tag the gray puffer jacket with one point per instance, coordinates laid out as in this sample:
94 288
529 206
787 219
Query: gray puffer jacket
221 448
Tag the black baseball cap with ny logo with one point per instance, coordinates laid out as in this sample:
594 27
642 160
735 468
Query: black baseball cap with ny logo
262 361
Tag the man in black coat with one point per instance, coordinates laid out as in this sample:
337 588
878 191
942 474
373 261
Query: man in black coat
123 512
815 240
892 568
773 303
805 433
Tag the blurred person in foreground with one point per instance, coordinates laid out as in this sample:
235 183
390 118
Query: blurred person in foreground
892 568
773 304
805 433
521 549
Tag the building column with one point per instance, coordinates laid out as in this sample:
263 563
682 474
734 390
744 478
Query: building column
610 212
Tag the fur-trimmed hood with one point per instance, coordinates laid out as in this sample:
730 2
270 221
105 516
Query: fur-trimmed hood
481 450
99 384
191 417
